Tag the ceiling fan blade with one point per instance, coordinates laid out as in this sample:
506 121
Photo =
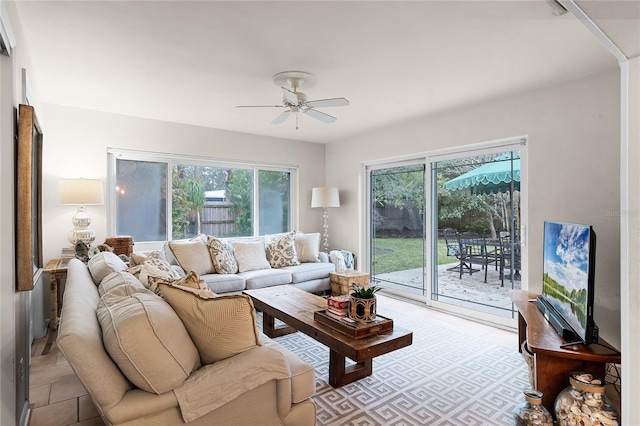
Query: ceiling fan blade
280 118
260 106
332 102
290 97
325 118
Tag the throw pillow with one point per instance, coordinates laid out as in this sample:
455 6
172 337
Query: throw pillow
147 340
281 250
222 256
190 280
121 282
250 256
308 247
104 263
193 255
220 326
137 258
153 270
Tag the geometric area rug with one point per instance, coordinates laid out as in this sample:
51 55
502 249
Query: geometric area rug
444 378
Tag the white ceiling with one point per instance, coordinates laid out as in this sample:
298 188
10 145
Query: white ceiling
192 62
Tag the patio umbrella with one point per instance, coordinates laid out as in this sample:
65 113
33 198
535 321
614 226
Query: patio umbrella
493 177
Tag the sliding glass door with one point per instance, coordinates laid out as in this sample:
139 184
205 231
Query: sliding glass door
446 229
397 227
476 218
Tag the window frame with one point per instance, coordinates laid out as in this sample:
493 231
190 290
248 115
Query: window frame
114 154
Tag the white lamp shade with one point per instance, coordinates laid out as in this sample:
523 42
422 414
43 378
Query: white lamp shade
325 197
80 191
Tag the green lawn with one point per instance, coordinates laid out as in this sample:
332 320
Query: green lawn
399 254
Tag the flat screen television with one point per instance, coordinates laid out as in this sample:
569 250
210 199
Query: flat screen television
568 280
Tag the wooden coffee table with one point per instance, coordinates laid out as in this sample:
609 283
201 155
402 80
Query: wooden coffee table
296 308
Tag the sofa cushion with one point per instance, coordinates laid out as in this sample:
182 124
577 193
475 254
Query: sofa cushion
220 326
265 278
308 247
221 253
193 255
153 270
104 263
121 282
137 257
309 271
190 279
223 283
281 250
147 340
250 255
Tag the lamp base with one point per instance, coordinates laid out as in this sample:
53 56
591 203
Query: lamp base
325 230
81 231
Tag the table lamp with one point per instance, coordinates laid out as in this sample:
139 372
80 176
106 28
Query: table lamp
81 192
325 197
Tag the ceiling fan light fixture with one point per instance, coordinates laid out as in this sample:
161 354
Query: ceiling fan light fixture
296 102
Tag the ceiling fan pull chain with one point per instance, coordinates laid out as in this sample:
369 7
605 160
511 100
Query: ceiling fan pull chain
296 121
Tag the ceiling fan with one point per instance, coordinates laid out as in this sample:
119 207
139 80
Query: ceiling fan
296 102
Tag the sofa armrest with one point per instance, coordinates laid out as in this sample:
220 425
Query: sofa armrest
136 404
216 384
324 257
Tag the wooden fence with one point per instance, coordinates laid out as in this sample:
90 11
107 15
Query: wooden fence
218 219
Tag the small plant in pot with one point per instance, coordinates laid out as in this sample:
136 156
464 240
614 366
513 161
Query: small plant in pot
362 303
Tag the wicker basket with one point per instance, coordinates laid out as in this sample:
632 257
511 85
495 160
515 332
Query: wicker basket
341 281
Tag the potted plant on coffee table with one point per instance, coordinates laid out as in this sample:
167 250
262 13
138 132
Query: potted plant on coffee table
362 303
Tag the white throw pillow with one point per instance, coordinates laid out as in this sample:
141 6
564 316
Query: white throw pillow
193 255
104 263
250 256
308 247
147 340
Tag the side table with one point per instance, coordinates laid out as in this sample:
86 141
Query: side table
57 270
341 281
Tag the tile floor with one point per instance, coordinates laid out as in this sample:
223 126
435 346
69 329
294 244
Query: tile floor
56 395
59 399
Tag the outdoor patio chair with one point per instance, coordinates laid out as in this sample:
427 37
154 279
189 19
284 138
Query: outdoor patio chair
473 248
452 241
510 257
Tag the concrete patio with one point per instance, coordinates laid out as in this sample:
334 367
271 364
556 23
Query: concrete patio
471 291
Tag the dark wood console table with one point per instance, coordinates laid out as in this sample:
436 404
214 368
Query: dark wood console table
553 364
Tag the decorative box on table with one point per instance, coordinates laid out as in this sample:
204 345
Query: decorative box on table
121 244
341 281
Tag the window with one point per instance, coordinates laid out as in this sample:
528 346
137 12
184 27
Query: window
206 196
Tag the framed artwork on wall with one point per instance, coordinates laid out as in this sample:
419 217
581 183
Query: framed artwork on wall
28 198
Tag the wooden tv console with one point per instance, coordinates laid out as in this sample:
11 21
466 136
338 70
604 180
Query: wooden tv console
553 364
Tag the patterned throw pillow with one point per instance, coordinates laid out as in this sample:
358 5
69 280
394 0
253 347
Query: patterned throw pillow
220 326
190 280
250 256
154 270
222 256
281 250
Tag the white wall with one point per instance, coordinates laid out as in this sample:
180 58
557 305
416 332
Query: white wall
14 306
76 142
631 246
573 169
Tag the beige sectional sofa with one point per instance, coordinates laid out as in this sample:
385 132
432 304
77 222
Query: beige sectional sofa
191 357
309 270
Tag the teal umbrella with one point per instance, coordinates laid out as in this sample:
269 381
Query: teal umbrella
493 177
